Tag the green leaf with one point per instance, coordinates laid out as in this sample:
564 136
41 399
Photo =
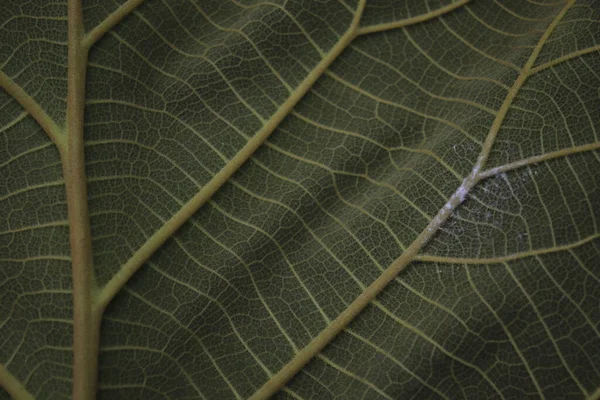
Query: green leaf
302 199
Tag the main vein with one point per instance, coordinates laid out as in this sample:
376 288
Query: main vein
86 324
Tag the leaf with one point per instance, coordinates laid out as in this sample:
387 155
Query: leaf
305 199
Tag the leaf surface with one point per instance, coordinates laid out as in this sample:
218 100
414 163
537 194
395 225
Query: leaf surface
254 167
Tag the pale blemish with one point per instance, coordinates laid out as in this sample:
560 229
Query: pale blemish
462 191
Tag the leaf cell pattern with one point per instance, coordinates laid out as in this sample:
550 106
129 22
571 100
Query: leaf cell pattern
253 167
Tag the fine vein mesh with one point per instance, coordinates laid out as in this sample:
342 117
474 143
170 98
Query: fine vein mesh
35 287
35 270
345 183
505 300
175 91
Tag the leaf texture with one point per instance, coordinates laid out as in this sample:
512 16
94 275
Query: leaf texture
253 166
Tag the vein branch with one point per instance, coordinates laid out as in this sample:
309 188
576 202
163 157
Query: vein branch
411 21
12 385
363 300
502 259
206 192
539 158
595 395
514 90
564 58
54 132
109 22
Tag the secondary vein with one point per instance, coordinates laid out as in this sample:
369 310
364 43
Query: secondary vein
12 385
54 132
206 192
288 371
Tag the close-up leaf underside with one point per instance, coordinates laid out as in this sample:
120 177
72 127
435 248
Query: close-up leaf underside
299 199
